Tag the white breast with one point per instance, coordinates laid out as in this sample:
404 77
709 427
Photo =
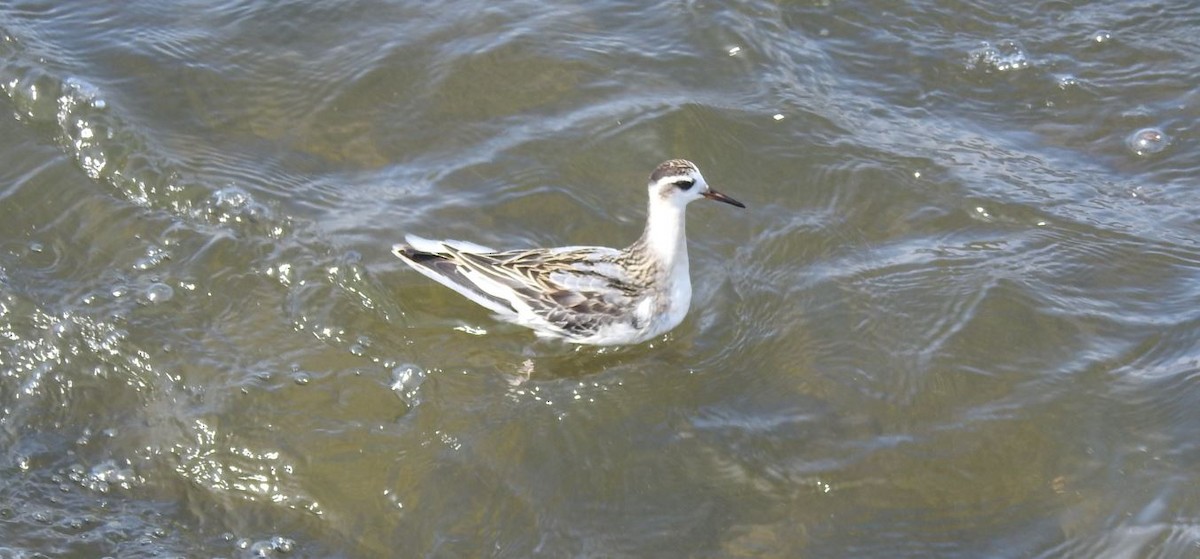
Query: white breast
679 299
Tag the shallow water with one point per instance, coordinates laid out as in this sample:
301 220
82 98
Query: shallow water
958 318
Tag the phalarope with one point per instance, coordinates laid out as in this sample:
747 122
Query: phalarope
582 294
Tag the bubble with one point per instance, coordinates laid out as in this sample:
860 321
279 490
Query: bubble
1102 36
273 547
103 477
159 292
982 213
232 198
1147 141
93 161
235 204
82 89
154 256
406 379
393 499
1004 56
282 544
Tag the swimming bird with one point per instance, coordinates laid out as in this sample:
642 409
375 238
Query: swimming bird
583 294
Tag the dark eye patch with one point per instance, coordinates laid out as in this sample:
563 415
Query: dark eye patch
684 184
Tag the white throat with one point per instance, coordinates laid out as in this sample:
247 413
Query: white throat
665 235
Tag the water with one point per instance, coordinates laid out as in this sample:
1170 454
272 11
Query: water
958 318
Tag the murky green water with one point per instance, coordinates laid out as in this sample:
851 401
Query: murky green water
958 319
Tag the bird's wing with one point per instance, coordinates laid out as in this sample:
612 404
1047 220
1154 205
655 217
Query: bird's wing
575 289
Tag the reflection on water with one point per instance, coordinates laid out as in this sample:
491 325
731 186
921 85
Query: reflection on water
958 321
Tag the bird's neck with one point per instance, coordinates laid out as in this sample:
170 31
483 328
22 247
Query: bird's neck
665 238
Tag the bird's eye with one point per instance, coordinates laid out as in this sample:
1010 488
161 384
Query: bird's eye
684 184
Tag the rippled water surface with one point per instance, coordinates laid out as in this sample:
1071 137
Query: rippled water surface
960 317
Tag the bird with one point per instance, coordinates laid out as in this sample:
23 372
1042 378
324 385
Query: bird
586 295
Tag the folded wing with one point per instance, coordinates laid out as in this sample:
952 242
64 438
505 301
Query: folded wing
575 291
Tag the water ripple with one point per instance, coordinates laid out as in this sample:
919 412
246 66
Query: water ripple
958 318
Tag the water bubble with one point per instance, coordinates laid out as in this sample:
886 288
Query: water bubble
982 213
394 499
406 379
1102 36
36 247
1004 56
108 474
1147 141
282 272
231 197
154 256
93 161
159 292
273 547
301 378
282 544
235 204
82 89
